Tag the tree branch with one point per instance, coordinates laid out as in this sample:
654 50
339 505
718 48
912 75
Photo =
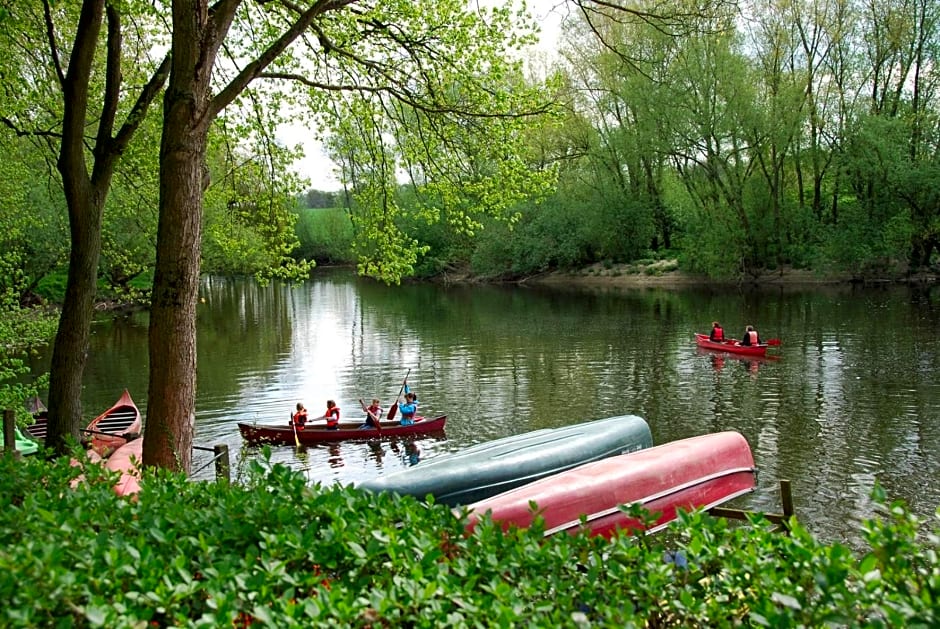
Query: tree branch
23 133
112 88
50 37
139 110
256 67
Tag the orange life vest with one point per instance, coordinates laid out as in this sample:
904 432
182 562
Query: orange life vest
300 418
332 417
752 337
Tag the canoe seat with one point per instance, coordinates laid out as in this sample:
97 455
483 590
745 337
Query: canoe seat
117 421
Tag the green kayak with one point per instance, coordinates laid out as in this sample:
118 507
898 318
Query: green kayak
493 467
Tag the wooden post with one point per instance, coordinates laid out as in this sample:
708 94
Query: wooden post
780 519
786 498
9 435
222 466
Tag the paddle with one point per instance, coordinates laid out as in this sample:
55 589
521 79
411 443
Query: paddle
394 408
293 425
773 342
375 420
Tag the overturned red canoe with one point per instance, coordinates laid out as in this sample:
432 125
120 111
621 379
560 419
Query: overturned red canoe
126 460
699 472
731 345
347 431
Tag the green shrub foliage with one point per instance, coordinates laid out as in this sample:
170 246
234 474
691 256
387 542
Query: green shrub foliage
274 552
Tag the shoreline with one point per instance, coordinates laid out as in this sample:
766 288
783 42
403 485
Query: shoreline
664 274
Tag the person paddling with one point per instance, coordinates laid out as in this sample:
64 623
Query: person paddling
718 334
408 408
299 418
750 336
373 415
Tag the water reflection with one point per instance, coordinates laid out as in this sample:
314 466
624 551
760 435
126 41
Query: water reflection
853 398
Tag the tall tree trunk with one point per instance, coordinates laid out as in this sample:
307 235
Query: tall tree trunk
85 200
172 391
171 397
70 350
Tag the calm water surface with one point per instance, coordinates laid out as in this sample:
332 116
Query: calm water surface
853 398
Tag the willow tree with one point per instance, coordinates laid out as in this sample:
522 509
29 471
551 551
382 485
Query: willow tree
411 52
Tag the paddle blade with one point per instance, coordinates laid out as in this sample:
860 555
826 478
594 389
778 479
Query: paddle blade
773 342
393 410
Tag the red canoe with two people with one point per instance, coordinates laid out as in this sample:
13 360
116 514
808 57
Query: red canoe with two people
734 346
345 431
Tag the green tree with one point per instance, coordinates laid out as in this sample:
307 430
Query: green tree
75 101
429 58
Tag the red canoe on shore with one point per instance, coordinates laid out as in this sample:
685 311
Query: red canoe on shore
114 427
126 460
699 472
731 345
347 431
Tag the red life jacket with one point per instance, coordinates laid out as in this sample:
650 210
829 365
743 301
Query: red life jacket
332 417
752 336
718 334
300 418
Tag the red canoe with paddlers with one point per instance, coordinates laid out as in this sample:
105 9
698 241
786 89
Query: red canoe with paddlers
347 431
734 346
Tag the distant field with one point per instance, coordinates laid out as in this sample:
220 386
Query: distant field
325 234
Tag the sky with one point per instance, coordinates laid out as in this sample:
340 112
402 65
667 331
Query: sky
320 170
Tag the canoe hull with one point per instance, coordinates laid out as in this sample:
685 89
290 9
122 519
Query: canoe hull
114 427
490 468
730 346
699 472
126 460
284 435
24 445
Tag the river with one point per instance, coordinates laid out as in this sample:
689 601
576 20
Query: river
852 399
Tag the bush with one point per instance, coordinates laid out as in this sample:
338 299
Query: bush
325 235
52 287
276 552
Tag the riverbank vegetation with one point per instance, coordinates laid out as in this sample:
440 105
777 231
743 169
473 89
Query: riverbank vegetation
800 137
273 551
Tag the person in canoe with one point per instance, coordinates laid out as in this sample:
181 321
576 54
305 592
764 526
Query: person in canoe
717 334
750 336
331 415
373 413
299 417
408 408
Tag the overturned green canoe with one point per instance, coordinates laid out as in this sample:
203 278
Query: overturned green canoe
24 444
490 468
